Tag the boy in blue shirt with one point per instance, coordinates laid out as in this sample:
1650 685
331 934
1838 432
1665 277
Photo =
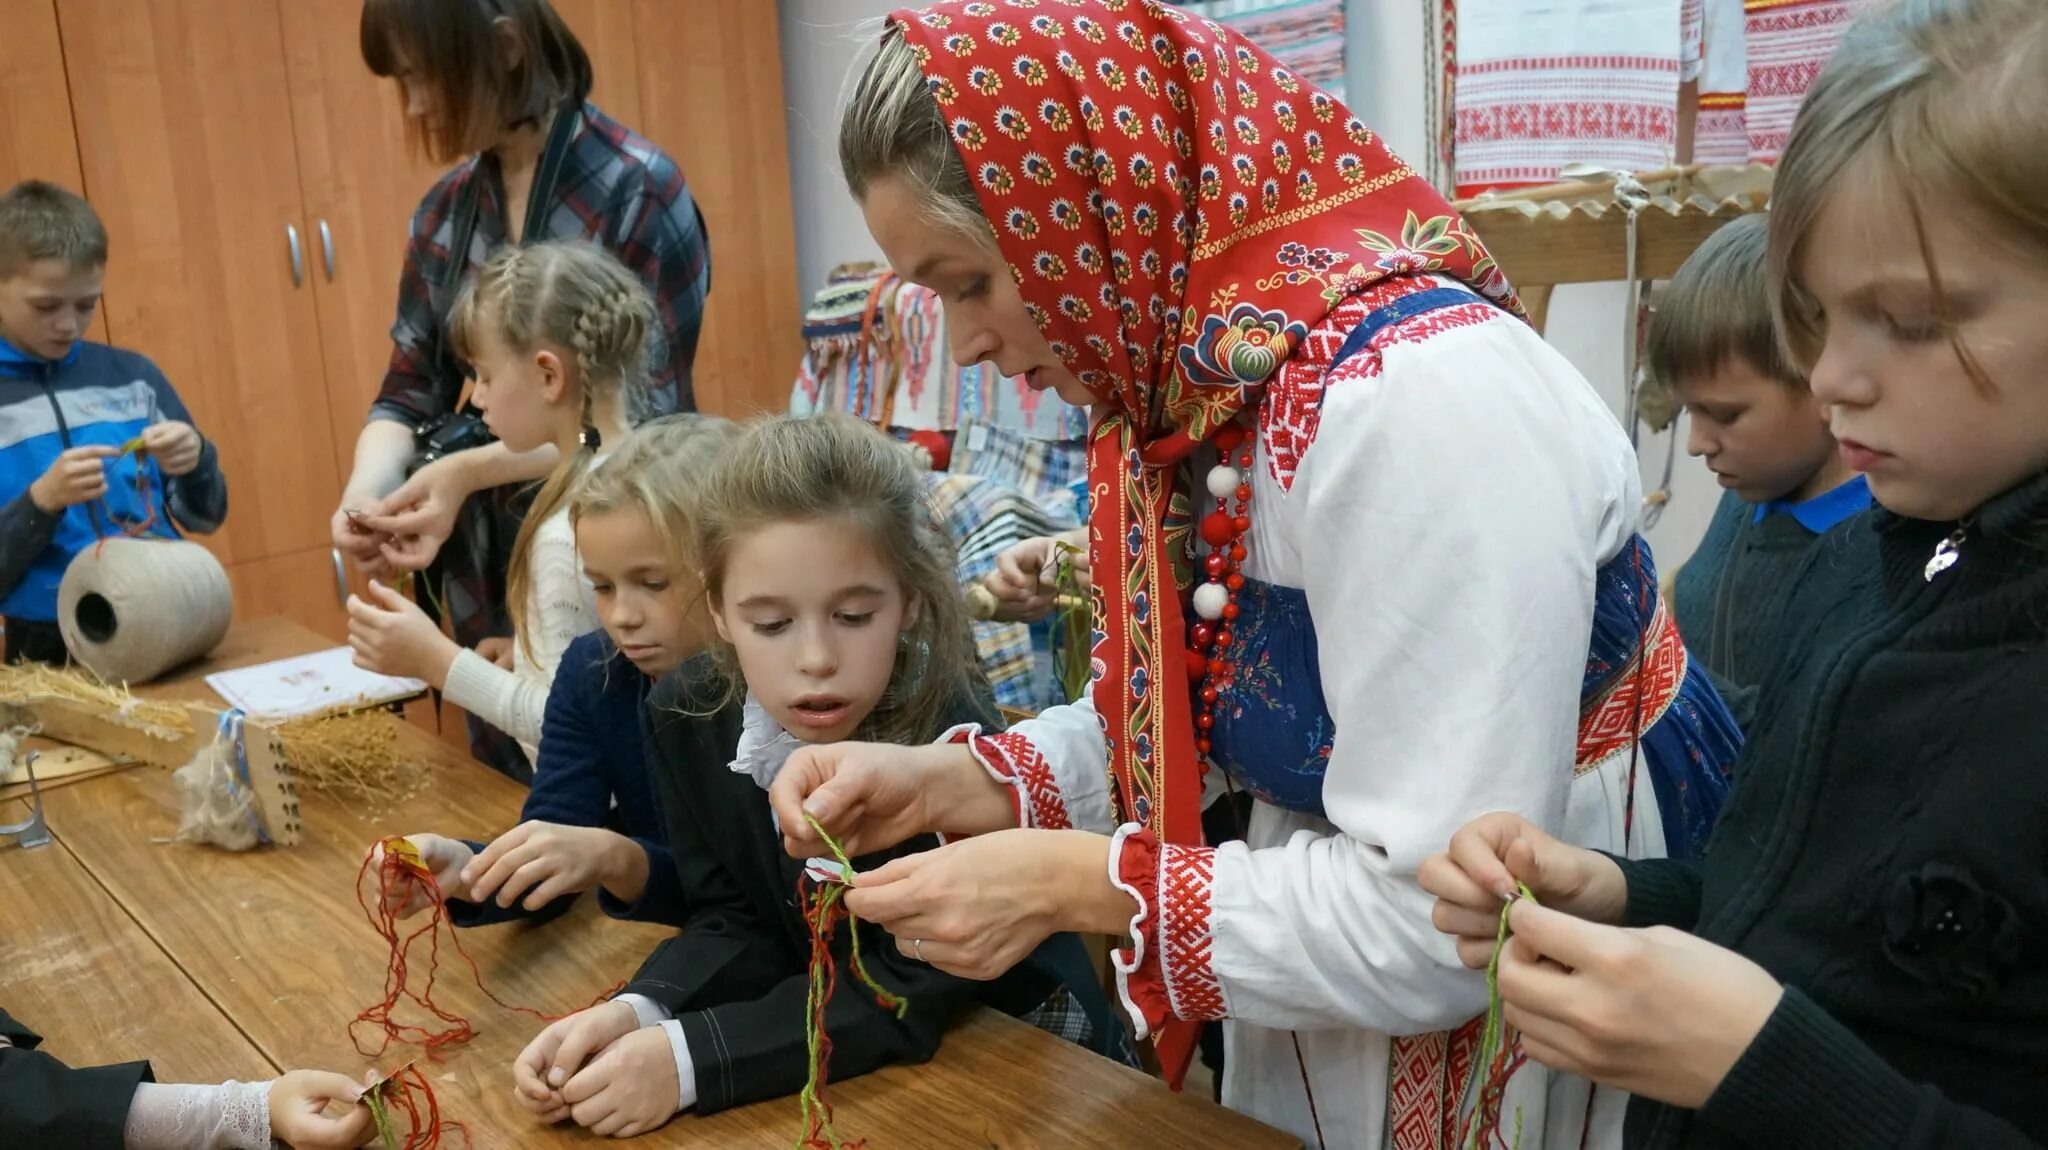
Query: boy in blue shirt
69 410
1712 349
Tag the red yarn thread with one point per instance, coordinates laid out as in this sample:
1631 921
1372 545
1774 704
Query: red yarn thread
395 877
132 530
408 1091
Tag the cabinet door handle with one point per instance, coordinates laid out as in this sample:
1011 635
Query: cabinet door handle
340 579
327 248
291 236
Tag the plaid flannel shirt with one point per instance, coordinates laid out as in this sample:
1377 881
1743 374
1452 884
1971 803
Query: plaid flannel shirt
615 189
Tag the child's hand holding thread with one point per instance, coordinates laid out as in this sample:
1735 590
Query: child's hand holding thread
1490 855
392 636
445 857
77 476
300 1114
1657 1013
176 446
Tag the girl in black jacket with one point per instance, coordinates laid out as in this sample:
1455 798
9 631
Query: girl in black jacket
834 596
1861 960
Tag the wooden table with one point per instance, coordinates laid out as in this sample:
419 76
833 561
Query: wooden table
220 964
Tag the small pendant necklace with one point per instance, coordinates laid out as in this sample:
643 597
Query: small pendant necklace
1947 552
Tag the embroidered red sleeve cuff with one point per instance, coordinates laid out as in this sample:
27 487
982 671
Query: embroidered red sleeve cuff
1010 759
1166 971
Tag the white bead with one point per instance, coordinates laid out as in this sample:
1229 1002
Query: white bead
1210 599
1223 481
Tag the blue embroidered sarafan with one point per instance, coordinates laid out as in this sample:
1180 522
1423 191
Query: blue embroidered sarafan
1273 730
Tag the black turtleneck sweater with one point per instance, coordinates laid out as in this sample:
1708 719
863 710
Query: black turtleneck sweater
1884 853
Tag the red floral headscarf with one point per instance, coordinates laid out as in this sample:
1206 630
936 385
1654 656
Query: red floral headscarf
1179 211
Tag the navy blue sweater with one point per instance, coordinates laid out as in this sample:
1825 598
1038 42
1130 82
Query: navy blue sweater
593 773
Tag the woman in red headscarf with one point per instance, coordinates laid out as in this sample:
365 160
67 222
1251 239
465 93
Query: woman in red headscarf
1361 544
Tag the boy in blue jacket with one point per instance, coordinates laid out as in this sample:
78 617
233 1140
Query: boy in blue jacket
71 412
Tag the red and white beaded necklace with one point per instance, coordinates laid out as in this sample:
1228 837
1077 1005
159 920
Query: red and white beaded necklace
1215 600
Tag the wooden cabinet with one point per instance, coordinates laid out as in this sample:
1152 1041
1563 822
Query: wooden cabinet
711 95
257 188
360 182
186 142
37 139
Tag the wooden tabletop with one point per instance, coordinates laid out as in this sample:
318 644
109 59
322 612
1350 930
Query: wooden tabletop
81 972
221 964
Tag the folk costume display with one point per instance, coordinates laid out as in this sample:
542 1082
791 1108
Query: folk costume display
1359 539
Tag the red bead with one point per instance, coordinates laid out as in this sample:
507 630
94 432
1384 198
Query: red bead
1203 634
1227 437
1244 462
1215 564
1202 745
1206 721
1243 523
1209 694
1230 610
1244 493
1234 582
1217 529
1228 668
1217 667
1221 504
1237 552
1223 639
1198 665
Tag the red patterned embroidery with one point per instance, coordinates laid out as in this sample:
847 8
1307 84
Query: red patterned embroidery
1609 726
1425 1084
1013 758
1186 937
1787 42
1292 412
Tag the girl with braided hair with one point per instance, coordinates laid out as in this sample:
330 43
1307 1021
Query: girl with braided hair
557 334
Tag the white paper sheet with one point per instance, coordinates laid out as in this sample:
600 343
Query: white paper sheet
309 685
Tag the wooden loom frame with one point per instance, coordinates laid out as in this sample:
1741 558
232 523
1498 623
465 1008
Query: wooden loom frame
1575 232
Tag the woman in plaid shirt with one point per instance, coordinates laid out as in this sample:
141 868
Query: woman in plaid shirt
500 89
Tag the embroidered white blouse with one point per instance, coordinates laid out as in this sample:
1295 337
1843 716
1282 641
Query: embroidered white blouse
1444 499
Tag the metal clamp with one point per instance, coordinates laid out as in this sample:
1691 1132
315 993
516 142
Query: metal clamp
291 236
34 832
340 578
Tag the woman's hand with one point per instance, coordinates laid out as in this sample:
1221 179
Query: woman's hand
977 907
299 1117
418 517
545 861
557 1053
1654 1012
1489 855
392 636
1023 581
444 857
629 1088
871 796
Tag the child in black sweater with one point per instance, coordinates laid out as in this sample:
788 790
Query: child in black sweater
834 596
1860 955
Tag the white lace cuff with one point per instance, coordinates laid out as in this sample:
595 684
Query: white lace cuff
231 1116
